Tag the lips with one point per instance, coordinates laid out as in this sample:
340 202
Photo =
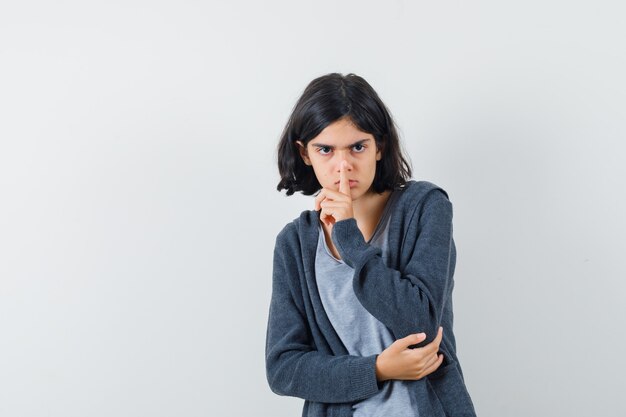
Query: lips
349 181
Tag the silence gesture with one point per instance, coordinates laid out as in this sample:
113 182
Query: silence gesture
336 205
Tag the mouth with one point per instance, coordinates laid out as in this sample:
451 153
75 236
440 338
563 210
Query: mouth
351 182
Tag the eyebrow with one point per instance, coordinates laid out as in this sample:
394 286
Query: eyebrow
321 145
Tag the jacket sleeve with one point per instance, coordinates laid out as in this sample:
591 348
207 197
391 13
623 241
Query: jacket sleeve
412 300
293 366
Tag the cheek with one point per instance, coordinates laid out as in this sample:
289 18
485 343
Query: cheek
323 172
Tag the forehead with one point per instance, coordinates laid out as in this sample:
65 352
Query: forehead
342 131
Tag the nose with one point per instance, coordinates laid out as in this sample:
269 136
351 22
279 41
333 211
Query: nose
343 157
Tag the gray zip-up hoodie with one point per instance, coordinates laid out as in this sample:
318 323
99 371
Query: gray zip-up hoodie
305 357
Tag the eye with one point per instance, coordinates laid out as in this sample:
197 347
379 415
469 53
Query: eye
319 150
360 146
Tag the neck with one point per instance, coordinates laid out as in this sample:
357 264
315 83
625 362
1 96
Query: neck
369 207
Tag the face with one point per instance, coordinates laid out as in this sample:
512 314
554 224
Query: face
342 140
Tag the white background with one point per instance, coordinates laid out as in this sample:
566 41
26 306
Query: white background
138 202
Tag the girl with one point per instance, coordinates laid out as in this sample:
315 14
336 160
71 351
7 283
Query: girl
360 318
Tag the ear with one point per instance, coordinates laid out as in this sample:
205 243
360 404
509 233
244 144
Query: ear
379 154
303 152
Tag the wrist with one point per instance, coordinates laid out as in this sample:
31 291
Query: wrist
380 372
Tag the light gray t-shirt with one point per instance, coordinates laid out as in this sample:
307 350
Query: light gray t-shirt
360 332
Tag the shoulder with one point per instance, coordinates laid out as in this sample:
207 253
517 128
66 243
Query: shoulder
417 194
424 202
297 228
287 234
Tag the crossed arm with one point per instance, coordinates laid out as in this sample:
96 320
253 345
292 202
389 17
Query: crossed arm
409 301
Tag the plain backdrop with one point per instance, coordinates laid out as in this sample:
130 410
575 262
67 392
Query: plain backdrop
138 202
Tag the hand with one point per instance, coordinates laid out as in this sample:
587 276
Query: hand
336 205
399 362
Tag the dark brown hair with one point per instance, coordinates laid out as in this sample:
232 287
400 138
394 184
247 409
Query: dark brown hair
325 100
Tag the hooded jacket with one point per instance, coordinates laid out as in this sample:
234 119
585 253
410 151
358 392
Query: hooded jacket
412 293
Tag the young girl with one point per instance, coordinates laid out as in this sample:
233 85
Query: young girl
360 318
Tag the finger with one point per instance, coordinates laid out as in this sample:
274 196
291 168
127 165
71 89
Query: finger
344 184
332 204
411 339
437 340
439 335
432 368
329 195
319 198
430 360
433 346
328 219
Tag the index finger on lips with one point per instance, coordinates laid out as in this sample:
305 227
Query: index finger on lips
344 184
